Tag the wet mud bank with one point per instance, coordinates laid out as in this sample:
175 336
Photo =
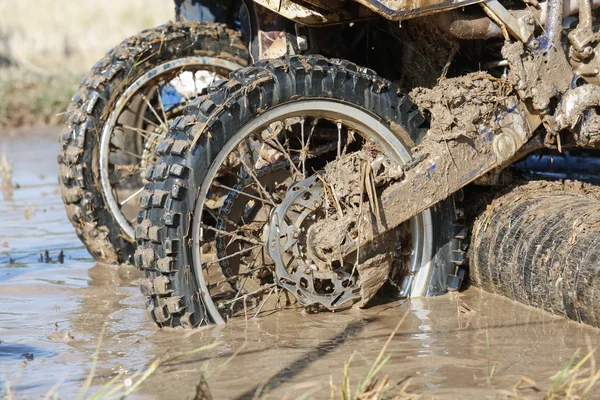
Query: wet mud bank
469 345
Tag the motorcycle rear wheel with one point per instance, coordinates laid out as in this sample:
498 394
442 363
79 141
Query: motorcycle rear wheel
180 284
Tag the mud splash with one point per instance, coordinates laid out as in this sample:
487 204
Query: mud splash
52 314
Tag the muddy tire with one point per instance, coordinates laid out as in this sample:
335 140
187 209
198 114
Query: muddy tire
177 295
538 244
106 234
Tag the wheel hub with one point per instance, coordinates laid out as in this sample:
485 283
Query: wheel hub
296 269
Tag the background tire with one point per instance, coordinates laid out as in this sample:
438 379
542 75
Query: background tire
176 295
106 237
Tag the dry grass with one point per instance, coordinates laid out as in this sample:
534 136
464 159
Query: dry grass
47 46
6 171
121 385
50 35
576 381
373 386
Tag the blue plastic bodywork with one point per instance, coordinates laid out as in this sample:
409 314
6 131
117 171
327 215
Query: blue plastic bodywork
221 11
170 97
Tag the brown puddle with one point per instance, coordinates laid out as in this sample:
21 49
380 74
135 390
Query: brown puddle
52 316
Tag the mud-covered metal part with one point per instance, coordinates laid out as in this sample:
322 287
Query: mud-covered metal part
538 244
328 12
317 12
587 67
284 247
583 35
552 36
399 10
520 26
444 162
584 53
538 77
588 134
540 72
461 25
584 58
573 104
570 7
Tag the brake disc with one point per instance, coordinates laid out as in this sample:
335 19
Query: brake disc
296 270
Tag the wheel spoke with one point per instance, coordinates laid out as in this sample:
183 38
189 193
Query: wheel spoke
303 151
250 172
162 123
339 140
146 120
242 193
235 254
162 107
243 228
129 153
238 297
264 302
287 156
144 133
123 172
131 197
232 235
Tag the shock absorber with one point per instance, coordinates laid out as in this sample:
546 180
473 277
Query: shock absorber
539 244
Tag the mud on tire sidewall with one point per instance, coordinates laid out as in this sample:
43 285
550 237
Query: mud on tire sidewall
85 203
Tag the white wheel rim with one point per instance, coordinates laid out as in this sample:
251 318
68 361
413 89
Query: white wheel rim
421 225
119 107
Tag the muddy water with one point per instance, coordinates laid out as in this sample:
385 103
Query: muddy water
52 315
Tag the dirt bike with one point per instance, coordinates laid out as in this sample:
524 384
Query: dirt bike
309 177
123 109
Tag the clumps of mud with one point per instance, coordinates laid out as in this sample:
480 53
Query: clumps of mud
344 177
360 173
588 133
457 106
537 244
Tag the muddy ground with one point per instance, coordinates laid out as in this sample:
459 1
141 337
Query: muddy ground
471 345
